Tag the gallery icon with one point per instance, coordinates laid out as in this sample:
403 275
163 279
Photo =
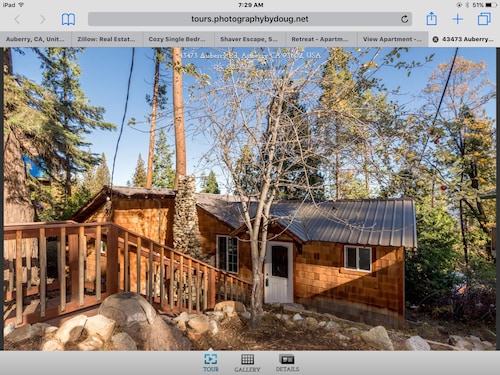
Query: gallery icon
247 359
210 359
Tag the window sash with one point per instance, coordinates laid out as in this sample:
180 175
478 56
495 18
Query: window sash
358 258
227 253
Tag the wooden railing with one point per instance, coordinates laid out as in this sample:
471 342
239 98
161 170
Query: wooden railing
57 268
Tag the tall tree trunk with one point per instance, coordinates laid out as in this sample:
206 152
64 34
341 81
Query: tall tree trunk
464 230
180 138
152 130
17 206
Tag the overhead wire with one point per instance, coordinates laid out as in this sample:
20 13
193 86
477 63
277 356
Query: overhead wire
123 119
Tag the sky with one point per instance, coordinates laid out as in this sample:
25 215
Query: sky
105 72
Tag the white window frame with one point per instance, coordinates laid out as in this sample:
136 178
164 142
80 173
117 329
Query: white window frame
346 263
233 265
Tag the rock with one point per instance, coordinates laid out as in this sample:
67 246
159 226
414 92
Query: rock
71 329
342 337
460 343
322 324
91 343
20 334
378 338
216 315
39 329
9 328
417 343
183 317
487 345
213 327
285 317
122 341
199 324
52 346
246 315
127 308
332 326
165 337
181 324
136 317
237 306
329 316
100 326
310 322
297 318
51 330
293 308
229 311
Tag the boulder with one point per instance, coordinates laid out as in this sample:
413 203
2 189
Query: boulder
71 329
100 326
237 306
460 343
310 322
127 308
136 317
122 341
417 343
199 324
378 338
332 326
20 334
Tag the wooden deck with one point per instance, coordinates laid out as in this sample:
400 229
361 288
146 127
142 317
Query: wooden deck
53 269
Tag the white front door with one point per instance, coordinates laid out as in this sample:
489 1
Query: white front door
278 272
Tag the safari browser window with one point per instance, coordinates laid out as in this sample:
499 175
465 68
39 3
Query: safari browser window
249 187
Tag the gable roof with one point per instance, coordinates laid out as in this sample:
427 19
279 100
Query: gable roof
376 222
127 192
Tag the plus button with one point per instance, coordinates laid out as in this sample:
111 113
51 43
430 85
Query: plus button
457 19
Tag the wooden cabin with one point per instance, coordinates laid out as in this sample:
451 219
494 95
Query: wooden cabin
344 257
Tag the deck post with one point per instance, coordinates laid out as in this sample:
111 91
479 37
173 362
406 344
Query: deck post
43 271
212 288
112 261
73 263
19 277
98 273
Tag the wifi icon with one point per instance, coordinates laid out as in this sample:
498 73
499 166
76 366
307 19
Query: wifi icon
20 4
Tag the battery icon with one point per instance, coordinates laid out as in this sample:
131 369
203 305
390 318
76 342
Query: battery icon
491 5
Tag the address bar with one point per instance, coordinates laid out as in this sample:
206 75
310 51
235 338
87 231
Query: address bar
343 19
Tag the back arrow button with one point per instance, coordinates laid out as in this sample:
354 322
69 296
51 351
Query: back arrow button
15 19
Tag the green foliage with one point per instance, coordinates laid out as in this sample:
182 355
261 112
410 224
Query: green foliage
428 268
163 168
210 184
69 112
139 177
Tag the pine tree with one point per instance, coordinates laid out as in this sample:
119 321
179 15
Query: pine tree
163 170
139 177
210 184
97 176
70 112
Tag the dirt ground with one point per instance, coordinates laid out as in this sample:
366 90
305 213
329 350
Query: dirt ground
276 334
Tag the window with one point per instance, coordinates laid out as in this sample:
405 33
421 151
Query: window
227 253
358 258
